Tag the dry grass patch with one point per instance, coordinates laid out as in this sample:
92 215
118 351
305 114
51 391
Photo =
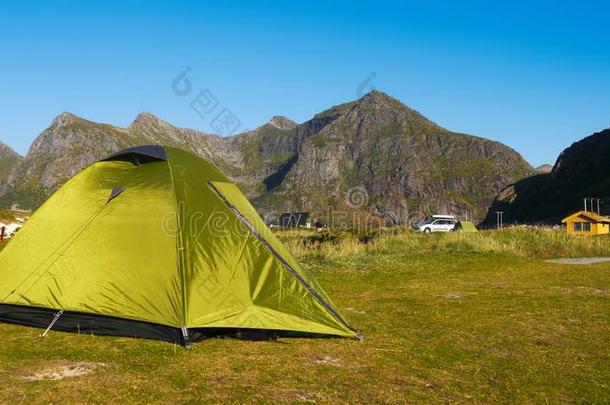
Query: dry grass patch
62 370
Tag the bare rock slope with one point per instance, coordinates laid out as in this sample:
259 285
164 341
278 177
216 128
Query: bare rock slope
397 160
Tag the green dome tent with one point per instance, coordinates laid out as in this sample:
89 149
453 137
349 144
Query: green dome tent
155 242
465 226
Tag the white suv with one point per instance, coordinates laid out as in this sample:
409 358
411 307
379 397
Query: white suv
438 223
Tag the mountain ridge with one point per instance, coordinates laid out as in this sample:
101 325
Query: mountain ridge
283 165
351 139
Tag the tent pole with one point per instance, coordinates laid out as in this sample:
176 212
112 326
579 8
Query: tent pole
57 315
185 338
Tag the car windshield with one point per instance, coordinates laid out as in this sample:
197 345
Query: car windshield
428 221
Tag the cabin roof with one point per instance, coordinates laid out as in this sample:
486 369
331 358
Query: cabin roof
593 217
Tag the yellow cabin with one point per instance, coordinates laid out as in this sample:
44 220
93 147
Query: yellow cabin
587 223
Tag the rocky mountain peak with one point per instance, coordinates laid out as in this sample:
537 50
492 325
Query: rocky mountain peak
65 119
6 150
378 96
379 99
147 119
403 161
281 122
378 105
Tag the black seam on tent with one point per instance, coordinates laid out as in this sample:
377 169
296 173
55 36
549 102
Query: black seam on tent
139 154
81 322
292 271
85 323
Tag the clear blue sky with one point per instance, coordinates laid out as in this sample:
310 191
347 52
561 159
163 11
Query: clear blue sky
534 75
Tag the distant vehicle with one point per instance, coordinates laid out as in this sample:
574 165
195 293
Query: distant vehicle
438 223
295 220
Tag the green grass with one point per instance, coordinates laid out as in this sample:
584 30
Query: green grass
540 243
446 318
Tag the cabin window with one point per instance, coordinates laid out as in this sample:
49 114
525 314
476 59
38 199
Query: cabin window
582 227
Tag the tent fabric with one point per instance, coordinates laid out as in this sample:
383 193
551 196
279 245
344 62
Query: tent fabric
178 247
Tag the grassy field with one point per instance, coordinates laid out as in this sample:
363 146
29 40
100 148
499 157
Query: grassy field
446 318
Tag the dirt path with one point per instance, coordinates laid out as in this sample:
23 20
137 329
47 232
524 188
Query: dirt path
581 260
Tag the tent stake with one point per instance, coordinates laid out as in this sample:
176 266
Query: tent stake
185 338
57 315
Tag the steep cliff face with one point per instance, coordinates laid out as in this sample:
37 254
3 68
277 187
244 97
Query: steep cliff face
581 171
9 159
396 159
262 154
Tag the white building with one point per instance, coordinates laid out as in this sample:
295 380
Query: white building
11 226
